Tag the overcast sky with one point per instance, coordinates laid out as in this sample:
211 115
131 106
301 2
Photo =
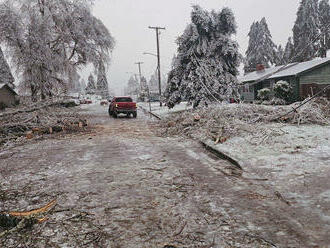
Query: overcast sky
128 22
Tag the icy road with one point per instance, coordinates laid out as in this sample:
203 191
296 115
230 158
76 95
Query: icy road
122 185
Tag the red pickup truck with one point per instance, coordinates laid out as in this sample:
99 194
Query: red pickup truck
122 105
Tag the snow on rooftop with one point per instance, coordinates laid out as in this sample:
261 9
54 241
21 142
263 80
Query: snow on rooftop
256 75
300 67
290 70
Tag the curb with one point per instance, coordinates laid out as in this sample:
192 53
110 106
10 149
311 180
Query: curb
221 154
151 113
210 148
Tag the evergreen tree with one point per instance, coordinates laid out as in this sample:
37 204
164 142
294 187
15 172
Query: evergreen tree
133 86
102 82
205 68
91 87
324 14
288 52
144 83
153 83
280 56
305 31
261 48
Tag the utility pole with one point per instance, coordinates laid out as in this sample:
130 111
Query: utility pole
158 66
139 65
140 74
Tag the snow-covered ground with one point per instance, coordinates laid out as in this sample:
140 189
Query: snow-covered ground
284 145
292 160
164 110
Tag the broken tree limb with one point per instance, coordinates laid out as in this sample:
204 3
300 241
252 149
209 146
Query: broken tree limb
180 230
44 120
281 198
31 109
15 221
41 210
294 110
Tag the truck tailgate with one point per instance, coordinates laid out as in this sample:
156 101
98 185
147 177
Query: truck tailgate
126 105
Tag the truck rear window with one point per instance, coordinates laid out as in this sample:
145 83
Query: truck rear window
124 99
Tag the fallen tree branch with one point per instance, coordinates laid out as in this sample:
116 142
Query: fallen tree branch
180 230
16 221
32 109
294 110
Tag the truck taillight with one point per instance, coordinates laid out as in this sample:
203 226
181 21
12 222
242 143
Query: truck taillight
136 105
116 105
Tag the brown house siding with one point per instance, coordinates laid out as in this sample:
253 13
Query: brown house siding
307 90
315 80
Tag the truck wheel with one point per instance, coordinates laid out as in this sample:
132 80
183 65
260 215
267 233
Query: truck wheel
114 115
134 114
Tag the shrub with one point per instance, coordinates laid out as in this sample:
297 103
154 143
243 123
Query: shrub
277 101
283 90
264 94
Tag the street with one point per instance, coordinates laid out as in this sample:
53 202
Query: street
123 185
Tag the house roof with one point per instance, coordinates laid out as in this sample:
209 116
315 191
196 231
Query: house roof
256 75
281 71
8 87
300 67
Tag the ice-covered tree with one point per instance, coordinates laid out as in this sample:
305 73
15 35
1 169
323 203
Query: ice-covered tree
73 85
5 74
143 82
133 87
102 87
153 82
288 51
91 86
261 48
306 31
205 67
280 56
154 85
324 15
82 86
46 39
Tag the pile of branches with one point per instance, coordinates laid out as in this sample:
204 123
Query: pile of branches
38 119
221 122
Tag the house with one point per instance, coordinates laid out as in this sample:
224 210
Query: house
306 79
8 96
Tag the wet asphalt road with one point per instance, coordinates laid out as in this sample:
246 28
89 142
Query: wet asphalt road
121 185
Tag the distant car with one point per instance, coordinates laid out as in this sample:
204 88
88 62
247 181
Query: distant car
103 102
122 105
233 100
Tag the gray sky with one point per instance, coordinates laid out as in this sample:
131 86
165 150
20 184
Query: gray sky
128 22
